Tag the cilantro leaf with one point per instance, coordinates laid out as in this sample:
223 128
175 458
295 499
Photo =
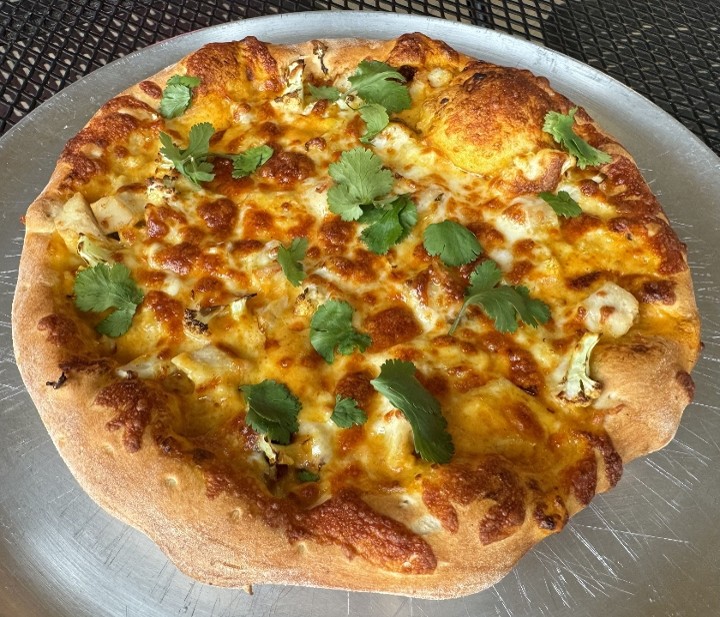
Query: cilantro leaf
375 118
502 303
346 412
389 224
328 93
177 95
103 287
360 180
562 203
305 475
455 244
192 161
560 127
331 328
290 260
272 410
377 82
397 383
247 162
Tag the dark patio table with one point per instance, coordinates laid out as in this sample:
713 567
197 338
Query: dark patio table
667 50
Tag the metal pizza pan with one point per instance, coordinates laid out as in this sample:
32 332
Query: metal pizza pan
649 547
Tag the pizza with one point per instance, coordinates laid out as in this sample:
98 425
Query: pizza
357 314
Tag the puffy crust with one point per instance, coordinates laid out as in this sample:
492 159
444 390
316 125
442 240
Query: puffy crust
643 417
241 535
490 115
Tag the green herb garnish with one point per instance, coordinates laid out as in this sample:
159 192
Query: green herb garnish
102 287
560 126
388 224
247 162
397 383
272 410
504 304
331 328
456 245
327 93
376 119
360 180
377 82
562 203
290 260
346 412
192 161
177 95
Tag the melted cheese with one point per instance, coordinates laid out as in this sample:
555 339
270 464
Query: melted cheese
214 249
610 310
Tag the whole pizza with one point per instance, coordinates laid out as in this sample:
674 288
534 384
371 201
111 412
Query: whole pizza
370 315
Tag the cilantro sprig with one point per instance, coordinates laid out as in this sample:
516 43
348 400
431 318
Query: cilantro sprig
103 287
504 304
376 119
192 161
388 224
327 93
331 328
361 193
382 90
346 413
177 95
247 162
397 383
360 180
562 203
272 410
290 260
560 126
378 82
455 244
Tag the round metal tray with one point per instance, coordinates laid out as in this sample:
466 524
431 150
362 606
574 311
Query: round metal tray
649 547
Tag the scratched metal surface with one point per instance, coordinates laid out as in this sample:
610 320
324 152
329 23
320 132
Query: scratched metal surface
650 547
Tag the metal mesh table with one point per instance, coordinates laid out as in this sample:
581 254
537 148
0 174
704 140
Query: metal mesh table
668 50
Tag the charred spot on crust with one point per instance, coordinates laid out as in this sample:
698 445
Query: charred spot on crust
492 480
611 459
582 479
346 520
133 403
417 49
658 292
59 330
687 383
408 72
151 89
82 364
58 383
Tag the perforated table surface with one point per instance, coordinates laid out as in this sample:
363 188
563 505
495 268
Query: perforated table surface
667 50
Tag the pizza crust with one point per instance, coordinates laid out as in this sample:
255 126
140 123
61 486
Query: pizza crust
223 540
